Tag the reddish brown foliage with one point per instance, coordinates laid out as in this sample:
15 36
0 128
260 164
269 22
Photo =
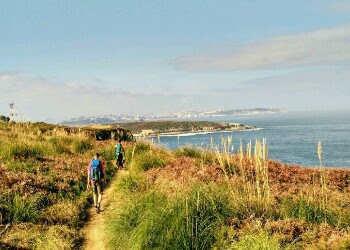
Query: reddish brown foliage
184 172
284 179
283 174
65 173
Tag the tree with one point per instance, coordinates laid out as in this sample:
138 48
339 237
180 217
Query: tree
4 118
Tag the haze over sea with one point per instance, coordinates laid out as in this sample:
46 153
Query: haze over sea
292 137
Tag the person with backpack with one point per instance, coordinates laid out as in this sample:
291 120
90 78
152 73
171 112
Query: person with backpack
119 154
96 179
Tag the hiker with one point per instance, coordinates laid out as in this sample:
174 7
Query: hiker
119 154
96 178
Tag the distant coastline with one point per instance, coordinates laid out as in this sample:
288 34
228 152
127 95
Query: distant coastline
182 128
203 133
111 119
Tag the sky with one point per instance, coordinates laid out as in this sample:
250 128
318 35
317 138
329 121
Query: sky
60 59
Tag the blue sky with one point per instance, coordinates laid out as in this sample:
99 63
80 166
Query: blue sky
60 59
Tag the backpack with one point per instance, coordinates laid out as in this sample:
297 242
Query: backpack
118 149
96 170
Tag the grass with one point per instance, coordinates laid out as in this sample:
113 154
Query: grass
189 151
237 200
260 241
43 193
309 211
23 151
17 208
191 198
132 181
146 156
156 221
82 146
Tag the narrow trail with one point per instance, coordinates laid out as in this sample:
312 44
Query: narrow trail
94 229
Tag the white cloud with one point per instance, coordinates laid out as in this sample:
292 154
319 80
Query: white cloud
327 46
39 99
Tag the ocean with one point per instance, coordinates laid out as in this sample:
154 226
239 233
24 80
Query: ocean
292 137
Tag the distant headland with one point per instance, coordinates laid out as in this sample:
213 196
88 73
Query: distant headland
153 128
111 119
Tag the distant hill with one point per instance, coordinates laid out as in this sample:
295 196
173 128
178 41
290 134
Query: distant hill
178 127
111 119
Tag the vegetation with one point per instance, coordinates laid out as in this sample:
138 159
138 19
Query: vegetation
180 126
43 197
190 198
216 199
4 118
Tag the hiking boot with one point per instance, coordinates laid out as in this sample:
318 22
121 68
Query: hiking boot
97 209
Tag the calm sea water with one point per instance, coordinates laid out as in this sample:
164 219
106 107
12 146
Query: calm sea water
292 137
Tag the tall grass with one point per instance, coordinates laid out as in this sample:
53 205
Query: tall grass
241 209
154 221
252 169
21 151
82 146
145 156
324 196
16 208
309 211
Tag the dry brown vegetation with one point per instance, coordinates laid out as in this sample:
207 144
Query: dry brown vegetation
240 201
43 198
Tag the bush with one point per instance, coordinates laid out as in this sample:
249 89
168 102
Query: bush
23 151
189 151
141 147
150 160
82 146
29 166
59 146
4 118
200 155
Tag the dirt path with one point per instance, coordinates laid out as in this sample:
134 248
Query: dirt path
94 229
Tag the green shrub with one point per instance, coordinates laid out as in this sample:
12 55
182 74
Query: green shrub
29 166
148 160
189 151
141 147
59 146
82 146
78 187
23 151
200 155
